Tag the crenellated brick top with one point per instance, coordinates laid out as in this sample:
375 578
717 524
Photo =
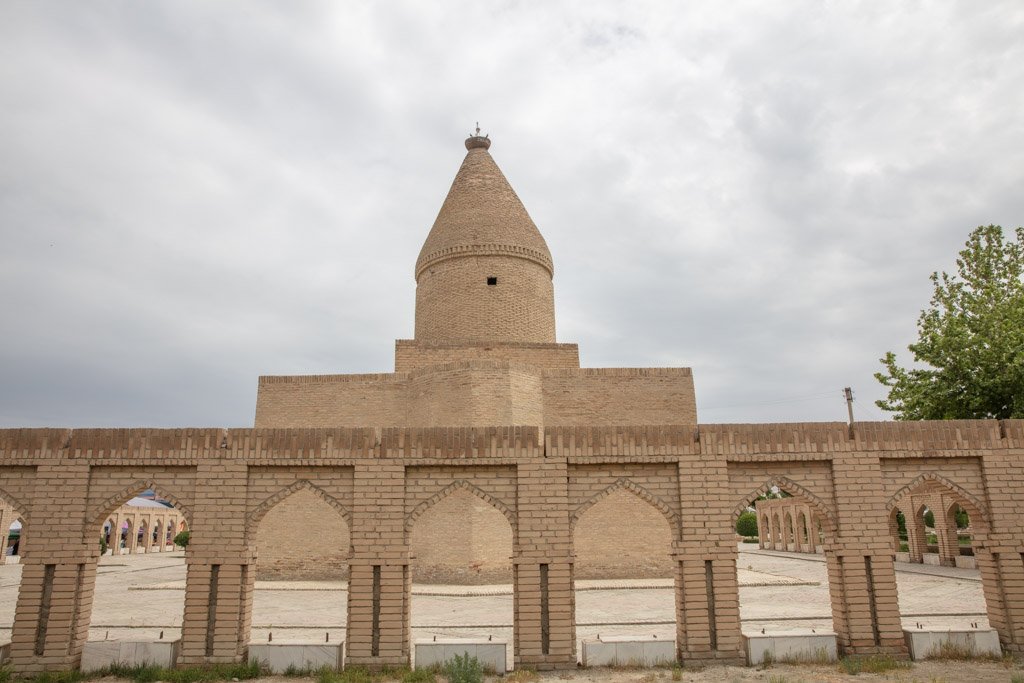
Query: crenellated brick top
25 446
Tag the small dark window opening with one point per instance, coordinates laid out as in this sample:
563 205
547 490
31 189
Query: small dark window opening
492 281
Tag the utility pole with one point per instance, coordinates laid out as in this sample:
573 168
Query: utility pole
849 402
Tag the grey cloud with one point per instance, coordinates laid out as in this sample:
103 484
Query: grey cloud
194 194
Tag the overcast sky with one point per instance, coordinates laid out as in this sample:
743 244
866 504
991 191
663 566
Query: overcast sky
193 194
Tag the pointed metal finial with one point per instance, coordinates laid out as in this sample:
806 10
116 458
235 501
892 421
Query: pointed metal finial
478 128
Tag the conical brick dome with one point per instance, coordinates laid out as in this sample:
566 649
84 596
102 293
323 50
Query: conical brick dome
482 215
484 272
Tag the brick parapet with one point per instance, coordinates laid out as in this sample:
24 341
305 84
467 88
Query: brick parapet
787 441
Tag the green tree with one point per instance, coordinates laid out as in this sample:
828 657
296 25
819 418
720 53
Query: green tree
970 344
746 524
181 540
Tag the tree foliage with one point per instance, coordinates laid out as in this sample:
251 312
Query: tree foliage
746 524
182 539
970 348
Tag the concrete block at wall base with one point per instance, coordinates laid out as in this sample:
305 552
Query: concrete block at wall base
925 644
626 651
280 657
101 654
790 646
490 653
902 557
931 558
966 562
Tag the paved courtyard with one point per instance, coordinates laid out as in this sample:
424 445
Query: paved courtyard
140 596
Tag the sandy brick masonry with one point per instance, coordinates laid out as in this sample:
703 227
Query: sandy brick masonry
489 454
381 480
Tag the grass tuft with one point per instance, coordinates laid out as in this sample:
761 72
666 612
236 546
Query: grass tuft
463 669
149 673
427 675
960 653
873 664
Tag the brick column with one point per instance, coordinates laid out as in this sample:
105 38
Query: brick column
7 516
51 620
811 543
917 540
131 538
147 540
934 502
945 531
858 555
706 587
999 541
894 531
544 601
220 566
379 585
761 530
113 541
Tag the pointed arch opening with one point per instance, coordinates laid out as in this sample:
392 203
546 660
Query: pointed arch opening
461 535
12 523
789 564
128 531
624 532
300 533
938 522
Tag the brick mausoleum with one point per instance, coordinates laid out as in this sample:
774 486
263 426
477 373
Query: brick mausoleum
528 468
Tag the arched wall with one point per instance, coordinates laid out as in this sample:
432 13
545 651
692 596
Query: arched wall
302 538
538 480
622 536
461 539
461 529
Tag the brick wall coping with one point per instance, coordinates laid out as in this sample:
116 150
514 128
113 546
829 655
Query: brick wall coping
479 364
806 440
461 344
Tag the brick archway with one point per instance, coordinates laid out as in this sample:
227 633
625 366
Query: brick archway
461 485
102 512
786 484
624 484
256 515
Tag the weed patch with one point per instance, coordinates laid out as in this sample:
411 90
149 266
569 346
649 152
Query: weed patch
875 664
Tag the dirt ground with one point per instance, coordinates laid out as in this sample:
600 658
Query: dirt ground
919 672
